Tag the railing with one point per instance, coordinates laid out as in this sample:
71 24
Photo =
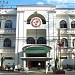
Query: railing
7 50
7 31
67 31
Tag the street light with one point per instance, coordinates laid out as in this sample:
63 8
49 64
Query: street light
2 60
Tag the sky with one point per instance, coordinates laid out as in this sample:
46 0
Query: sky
57 3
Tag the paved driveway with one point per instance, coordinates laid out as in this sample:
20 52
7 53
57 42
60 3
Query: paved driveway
35 73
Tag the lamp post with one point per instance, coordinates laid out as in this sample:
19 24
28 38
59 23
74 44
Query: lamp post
2 60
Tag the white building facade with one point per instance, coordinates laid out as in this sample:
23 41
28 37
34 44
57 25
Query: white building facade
34 28
30 35
7 35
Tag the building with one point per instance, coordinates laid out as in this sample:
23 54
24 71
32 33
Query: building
30 35
66 26
34 28
7 35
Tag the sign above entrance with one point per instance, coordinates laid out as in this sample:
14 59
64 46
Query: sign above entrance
36 22
36 58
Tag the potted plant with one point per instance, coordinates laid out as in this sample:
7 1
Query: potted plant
58 70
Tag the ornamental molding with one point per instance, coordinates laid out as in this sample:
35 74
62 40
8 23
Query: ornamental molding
36 8
67 11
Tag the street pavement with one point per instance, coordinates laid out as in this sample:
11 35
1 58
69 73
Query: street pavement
34 73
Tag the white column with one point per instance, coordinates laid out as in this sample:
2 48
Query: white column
47 67
24 60
17 42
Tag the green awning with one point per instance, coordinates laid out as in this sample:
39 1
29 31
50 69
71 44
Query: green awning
37 50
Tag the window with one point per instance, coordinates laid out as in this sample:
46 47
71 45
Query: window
7 42
73 42
8 24
30 40
63 24
73 24
36 15
36 36
41 40
64 42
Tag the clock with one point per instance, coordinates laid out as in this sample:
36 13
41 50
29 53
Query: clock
36 22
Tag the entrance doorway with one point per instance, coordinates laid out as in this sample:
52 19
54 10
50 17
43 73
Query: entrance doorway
34 64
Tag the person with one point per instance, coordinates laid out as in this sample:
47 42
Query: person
26 69
19 67
13 66
39 64
47 67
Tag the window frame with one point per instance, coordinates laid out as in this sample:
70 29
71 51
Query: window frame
8 24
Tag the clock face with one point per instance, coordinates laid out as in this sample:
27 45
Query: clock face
36 22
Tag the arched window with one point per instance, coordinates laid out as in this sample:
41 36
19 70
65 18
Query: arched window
41 40
30 40
36 15
64 42
8 24
63 24
74 43
7 42
73 24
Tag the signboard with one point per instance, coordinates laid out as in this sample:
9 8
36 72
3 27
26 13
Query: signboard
36 22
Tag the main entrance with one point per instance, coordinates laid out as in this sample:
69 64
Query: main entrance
35 63
36 54
32 62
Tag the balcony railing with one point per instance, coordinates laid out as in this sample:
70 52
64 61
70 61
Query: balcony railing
67 31
7 31
7 50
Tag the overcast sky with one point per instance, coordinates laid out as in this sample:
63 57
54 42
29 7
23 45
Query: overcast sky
57 3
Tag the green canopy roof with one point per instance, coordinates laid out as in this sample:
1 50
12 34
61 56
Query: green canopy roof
37 50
